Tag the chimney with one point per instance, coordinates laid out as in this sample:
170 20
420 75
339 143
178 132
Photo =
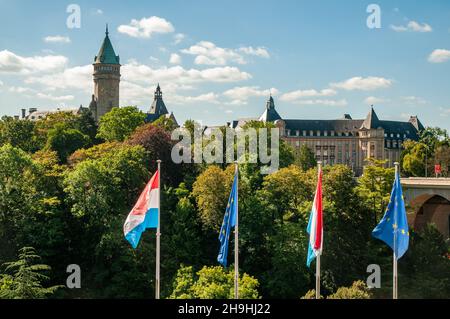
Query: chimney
23 113
32 110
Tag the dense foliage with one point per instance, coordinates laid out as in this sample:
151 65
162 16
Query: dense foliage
67 186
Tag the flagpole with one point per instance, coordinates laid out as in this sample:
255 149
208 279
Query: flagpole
395 270
319 164
158 234
236 236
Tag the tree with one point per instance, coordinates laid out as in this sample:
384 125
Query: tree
120 123
82 122
212 283
211 191
27 277
166 123
20 196
158 146
374 187
18 133
65 141
358 290
304 158
413 158
425 268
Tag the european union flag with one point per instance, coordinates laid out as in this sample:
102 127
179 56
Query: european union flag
229 220
393 228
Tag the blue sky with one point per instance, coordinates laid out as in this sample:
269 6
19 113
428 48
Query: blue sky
218 61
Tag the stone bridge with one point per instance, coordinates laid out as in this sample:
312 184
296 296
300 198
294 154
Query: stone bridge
428 201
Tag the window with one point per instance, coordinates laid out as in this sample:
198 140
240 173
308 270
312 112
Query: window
325 133
297 133
318 133
304 133
311 133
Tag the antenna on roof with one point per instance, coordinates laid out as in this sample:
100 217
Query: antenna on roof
107 32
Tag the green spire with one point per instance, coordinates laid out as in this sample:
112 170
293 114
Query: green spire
106 53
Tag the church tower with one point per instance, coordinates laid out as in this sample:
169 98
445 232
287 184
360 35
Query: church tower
106 80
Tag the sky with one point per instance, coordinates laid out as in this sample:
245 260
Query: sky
217 61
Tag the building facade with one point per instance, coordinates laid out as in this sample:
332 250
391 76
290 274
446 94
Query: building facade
344 141
106 79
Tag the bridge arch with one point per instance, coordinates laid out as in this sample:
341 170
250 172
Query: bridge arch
430 208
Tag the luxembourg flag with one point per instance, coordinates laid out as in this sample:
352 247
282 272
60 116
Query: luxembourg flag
315 225
144 213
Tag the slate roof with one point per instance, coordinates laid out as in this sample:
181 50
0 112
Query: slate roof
270 114
324 125
106 54
158 107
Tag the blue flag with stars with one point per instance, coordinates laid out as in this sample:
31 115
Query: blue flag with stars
393 228
229 220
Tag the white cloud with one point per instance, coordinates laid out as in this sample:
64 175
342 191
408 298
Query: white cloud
210 97
135 94
1 83
178 38
413 26
79 77
445 111
363 84
146 27
20 89
208 53
55 98
295 95
175 58
413 100
243 93
439 56
143 73
237 102
259 51
13 63
57 39
342 102
372 100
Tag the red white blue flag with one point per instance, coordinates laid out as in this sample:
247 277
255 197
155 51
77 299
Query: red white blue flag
315 225
144 213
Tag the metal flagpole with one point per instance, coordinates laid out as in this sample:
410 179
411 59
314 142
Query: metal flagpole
318 256
158 234
236 237
395 277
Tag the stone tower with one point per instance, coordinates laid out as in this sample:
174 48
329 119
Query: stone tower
106 80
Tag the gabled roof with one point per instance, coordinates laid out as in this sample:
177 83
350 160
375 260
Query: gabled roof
106 54
414 120
371 121
270 114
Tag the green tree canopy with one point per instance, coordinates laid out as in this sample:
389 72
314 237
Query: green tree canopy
27 277
212 283
119 123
